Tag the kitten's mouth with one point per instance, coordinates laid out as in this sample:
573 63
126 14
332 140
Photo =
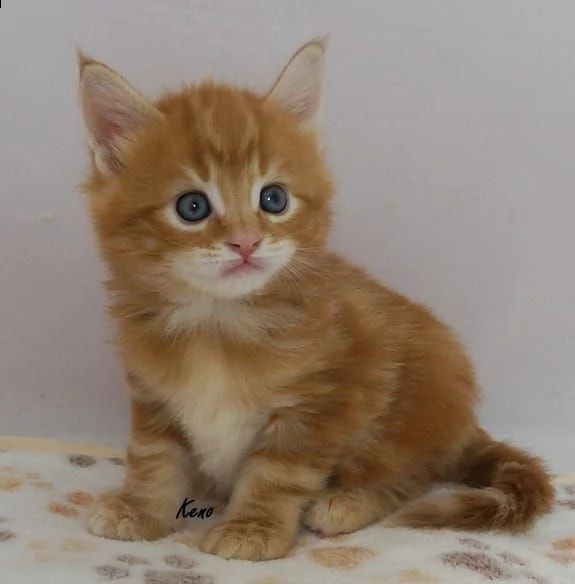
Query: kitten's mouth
243 266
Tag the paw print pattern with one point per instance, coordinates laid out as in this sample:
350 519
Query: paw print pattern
512 559
110 573
175 577
75 502
341 558
496 564
43 485
6 535
10 484
116 461
180 570
71 549
477 562
563 551
80 498
132 560
82 460
63 510
535 579
176 561
417 577
566 497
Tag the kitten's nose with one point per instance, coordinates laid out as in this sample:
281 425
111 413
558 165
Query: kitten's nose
244 244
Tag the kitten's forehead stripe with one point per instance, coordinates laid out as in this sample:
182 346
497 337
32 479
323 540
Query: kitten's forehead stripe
227 129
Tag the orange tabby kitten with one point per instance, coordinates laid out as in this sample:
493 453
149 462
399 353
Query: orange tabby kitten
262 366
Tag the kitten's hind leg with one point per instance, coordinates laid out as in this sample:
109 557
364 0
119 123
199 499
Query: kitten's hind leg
339 510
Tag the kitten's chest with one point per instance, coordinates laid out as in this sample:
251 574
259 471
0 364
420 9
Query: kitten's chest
221 428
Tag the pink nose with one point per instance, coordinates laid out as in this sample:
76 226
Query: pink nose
244 244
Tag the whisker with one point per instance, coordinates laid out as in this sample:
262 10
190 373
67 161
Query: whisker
312 224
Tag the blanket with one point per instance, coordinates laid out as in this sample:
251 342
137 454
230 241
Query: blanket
44 497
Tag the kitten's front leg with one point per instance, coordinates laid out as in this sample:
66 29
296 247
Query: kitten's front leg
263 516
145 508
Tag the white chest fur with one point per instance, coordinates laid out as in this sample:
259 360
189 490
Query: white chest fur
220 427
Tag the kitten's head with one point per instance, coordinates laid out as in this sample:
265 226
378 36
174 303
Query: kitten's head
211 189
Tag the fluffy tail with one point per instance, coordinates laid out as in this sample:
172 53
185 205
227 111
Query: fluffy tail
505 489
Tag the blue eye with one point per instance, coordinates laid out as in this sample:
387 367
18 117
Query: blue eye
193 206
273 199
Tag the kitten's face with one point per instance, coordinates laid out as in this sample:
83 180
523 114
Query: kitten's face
212 189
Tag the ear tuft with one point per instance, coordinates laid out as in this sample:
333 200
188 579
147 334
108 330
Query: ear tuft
113 110
299 87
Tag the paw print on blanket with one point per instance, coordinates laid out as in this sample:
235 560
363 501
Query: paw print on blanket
479 562
12 482
9 481
82 460
179 570
5 534
567 497
269 580
341 558
171 577
75 501
109 573
116 461
71 549
563 551
132 560
87 460
493 564
409 576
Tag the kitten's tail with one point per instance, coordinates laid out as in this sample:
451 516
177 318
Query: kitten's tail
504 489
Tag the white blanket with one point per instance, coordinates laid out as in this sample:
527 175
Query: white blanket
44 497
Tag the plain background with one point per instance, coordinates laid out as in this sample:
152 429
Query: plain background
451 131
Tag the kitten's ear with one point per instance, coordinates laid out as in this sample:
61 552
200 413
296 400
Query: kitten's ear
299 87
112 111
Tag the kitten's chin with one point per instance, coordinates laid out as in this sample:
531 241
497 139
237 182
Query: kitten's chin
235 283
228 278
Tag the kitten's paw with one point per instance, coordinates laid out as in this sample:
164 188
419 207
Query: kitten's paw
114 518
340 511
247 540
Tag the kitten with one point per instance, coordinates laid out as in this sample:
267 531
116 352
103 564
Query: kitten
261 365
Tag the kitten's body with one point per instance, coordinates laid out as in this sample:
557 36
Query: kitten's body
301 386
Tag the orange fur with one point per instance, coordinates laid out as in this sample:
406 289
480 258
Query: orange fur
302 390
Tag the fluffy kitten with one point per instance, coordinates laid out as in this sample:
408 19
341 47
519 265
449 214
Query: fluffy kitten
261 365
